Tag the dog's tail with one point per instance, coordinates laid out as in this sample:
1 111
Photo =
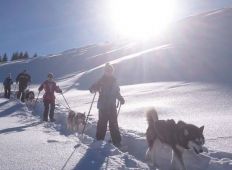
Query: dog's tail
152 117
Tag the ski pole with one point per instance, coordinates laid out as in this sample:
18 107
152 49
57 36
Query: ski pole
66 101
88 113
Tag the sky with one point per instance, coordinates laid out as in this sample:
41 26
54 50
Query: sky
52 26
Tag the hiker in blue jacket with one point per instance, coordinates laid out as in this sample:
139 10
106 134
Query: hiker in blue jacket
109 92
7 86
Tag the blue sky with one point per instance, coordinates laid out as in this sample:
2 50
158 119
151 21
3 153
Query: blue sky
51 26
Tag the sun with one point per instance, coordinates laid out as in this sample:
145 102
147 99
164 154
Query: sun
141 18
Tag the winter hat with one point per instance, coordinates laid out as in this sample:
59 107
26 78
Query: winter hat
109 68
50 75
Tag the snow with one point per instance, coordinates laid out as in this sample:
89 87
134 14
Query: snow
28 143
185 76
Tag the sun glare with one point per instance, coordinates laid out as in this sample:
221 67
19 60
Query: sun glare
141 18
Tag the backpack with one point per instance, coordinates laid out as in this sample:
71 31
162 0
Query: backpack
7 82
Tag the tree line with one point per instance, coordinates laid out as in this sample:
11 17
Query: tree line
15 56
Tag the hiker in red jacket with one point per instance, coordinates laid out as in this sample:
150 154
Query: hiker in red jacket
49 87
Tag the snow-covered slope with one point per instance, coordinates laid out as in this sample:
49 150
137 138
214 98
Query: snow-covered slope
194 49
184 75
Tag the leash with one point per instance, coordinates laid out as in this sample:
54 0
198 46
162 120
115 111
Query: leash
59 102
66 101
33 110
220 137
15 90
88 114
75 147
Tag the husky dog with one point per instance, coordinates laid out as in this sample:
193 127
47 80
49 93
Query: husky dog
29 95
29 98
75 121
179 136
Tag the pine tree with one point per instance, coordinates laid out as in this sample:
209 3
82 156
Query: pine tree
21 55
26 56
35 55
5 58
0 58
16 56
13 57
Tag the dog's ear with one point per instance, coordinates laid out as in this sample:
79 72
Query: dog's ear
201 129
181 123
186 132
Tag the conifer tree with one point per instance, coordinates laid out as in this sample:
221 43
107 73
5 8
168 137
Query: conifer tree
26 56
5 58
13 57
21 55
35 55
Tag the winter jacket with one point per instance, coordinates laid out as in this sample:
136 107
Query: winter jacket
50 87
109 91
8 82
23 78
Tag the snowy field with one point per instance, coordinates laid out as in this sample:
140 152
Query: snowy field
28 142
182 79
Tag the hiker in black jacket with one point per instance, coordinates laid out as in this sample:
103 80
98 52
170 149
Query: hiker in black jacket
109 91
23 79
7 86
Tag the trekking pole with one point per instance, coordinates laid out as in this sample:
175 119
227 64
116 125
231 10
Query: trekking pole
88 113
66 101
59 102
119 109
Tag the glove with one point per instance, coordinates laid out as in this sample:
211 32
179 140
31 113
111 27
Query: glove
122 101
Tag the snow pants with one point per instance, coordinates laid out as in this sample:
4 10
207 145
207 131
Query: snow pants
110 116
48 107
7 91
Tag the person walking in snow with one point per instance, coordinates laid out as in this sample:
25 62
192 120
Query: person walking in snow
49 86
7 86
23 79
109 91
